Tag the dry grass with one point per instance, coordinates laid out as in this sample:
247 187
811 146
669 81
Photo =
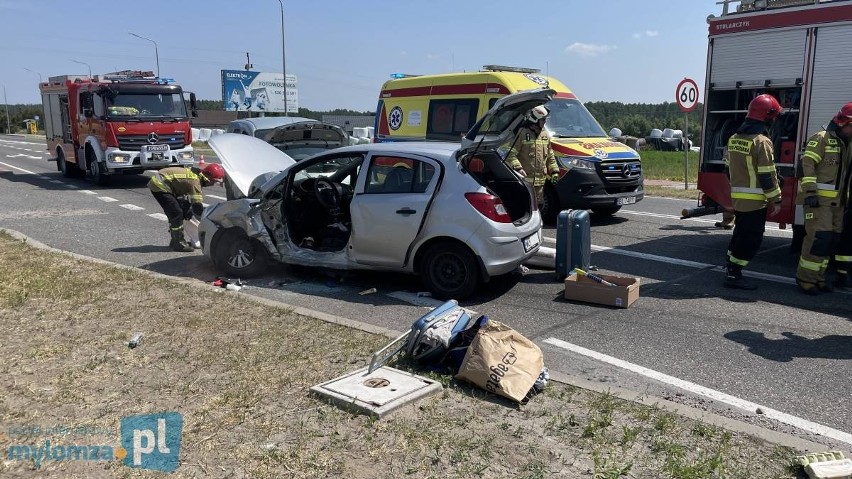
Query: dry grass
239 373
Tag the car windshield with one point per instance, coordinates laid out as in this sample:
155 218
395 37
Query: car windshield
299 153
168 105
570 119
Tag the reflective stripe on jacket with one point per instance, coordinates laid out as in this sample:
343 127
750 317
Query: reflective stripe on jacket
754 181
532 152
825 158
179 181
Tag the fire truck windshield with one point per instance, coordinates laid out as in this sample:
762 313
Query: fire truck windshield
570 119
145 105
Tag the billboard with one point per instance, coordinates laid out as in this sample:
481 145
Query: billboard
244 90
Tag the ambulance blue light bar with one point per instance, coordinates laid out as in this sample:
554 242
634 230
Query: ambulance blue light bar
402 75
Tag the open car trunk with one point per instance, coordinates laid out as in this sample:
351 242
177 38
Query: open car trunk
489 169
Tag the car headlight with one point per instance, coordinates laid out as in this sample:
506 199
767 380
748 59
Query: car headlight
119 158
186 155
575 162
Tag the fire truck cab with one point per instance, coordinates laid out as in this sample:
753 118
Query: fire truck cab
795 50
118 123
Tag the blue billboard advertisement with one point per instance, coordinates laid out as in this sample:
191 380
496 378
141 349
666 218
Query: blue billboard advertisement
244 90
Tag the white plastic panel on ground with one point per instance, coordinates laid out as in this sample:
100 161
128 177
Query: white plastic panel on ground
758 56
831 86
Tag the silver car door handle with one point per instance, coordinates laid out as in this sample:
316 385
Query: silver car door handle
405 211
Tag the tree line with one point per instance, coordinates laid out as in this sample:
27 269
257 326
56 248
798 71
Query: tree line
634 119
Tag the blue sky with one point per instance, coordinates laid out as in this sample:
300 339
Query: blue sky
342 51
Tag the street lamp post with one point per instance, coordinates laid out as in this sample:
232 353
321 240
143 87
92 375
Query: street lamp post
37 73
6 102
283 58
84 63
156 50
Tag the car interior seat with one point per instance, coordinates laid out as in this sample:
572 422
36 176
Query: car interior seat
398 180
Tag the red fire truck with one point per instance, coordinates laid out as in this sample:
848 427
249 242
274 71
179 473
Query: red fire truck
118 123
796 50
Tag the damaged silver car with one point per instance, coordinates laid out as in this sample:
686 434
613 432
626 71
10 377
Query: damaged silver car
454 216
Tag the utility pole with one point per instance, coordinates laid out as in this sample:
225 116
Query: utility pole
283 58
6 102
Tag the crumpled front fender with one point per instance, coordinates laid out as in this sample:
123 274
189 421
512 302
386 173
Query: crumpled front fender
243 214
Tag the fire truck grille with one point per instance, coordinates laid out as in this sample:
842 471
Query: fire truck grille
621 172
135 142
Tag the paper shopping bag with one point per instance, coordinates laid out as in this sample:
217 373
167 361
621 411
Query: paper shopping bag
502 361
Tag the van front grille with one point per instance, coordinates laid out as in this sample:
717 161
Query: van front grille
621 171
175 141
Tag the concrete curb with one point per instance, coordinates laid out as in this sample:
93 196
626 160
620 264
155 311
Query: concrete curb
775 437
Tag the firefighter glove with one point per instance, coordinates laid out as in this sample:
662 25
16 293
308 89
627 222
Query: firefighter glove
554 177
812 201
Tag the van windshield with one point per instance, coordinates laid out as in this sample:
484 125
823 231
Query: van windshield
570 119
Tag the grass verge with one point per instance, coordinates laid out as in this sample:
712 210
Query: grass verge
239 373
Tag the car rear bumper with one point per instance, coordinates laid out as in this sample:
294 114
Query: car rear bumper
501 250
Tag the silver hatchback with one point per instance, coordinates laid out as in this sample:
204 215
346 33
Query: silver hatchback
454 216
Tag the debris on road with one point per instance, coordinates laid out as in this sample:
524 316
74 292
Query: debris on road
136 340
367 291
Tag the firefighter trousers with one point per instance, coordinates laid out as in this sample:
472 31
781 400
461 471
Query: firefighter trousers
175 210
747 237
823 225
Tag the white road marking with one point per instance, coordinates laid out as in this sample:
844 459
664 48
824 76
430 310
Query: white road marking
684 262
159 216
697 220
706 392
25 156
88 192
132 207
217 197
16 168
412 298
106 199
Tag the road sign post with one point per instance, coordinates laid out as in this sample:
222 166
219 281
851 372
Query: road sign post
686 96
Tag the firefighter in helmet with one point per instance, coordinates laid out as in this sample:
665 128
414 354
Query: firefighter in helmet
531 154
178 190
823 196
754 186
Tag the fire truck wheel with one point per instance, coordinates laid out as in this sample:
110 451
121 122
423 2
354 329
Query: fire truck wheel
97 172
69 170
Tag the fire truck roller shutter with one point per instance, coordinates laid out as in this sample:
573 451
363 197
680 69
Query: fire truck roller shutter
758 57
831 76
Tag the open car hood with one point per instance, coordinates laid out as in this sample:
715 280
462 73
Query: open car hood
244 158
308 133
498 125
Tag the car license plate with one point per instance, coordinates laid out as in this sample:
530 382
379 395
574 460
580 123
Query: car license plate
158 147
627 200
530 242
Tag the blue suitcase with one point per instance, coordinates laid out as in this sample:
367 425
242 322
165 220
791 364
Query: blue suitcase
573 242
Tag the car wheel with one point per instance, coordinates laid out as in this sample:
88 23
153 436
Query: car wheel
606 211
550 206
450 271
238 255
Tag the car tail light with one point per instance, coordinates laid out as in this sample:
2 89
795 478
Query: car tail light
489 206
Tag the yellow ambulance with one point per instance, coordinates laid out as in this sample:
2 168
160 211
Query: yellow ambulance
596 172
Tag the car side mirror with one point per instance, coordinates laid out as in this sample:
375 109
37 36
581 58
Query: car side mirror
193 105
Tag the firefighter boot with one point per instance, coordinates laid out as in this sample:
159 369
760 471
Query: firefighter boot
734 279
810 289
178 242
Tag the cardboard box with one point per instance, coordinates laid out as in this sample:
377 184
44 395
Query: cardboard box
581 288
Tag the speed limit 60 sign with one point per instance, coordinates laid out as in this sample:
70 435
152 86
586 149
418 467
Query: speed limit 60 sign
686 95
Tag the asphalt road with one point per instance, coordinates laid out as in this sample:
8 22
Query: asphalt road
687 339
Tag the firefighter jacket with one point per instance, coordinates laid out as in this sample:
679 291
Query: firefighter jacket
531 151
178 181
754 182
824 162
